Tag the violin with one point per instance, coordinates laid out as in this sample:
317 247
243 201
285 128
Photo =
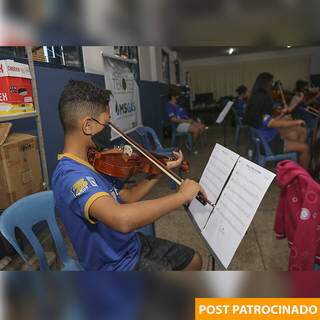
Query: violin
313 111
281 95
123 162
278 95
311 93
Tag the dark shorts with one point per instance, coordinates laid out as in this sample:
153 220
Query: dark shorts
162 255
277 145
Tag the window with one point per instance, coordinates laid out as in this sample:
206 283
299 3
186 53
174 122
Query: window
67 56
18 52
129 52
73 57
165 63
177 70
59 55
188 78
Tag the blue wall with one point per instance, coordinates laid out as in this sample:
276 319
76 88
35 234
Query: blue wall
151 107
50 83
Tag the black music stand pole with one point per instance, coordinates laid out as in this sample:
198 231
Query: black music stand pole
225 132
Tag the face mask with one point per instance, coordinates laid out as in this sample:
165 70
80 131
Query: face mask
102 139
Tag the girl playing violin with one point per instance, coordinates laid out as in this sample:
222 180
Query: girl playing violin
259 115
292 133
100 214
301 101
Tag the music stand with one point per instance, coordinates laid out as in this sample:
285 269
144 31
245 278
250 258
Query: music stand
221 119
212 255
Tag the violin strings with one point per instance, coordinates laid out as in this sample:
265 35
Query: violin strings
151 158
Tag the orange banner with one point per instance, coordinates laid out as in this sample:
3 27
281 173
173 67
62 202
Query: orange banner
257 308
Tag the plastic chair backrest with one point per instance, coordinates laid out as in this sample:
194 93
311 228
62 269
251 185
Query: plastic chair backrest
237 118
261 142
24 214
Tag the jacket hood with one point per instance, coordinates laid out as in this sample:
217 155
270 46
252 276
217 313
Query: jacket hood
287 171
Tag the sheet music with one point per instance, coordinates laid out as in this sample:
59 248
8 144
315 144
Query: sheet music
224 112
236 208
214 177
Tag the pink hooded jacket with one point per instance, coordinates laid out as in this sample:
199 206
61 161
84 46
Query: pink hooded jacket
298 215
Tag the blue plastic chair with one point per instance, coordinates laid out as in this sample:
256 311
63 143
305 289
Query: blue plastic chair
24 214
148 230
259 143
153 144
239 126
175 135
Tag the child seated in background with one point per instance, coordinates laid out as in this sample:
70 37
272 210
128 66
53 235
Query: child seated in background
259 115
299 103
179 118
240 103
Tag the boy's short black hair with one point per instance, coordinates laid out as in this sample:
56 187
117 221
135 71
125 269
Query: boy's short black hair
241 90
81 99
174 92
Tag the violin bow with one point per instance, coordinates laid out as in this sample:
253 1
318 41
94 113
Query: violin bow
284 102
313 111
178 180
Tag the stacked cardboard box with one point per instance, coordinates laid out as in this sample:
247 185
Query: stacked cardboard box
20 168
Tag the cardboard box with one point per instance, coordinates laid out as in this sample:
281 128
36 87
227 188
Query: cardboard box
4 131
15 88
20 168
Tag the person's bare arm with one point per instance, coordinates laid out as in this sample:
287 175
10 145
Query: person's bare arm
283 123
295 102
138 191
128 217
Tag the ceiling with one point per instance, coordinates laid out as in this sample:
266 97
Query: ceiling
190 53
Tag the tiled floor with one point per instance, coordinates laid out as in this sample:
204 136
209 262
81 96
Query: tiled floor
259 250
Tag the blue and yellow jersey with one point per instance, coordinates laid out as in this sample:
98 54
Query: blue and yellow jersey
76 185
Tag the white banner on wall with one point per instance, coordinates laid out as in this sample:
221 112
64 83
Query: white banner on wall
125 103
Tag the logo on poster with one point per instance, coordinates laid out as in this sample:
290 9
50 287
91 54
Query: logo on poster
125 108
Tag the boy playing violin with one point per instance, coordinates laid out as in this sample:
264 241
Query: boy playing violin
100 215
